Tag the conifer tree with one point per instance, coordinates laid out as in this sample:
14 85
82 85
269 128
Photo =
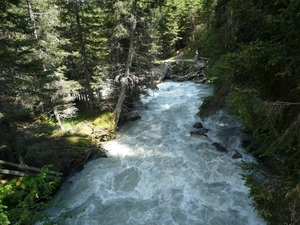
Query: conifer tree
131 46
257 74
126 78
171 25
84 44
22 73
181 19
58 93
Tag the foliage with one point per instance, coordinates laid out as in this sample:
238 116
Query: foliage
271 191
19 63
257 63
180 21
105 121
23 200
80 28
3 208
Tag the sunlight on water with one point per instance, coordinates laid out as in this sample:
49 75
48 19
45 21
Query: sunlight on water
121 150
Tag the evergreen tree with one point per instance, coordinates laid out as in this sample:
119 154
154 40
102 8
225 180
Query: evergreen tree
126 77
58 93
132 51
181 19
171 26
257 76
22 73
84 43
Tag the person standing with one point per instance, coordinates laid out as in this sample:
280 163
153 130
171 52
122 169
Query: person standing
196 55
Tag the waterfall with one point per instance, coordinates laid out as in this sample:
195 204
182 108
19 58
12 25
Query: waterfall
157 173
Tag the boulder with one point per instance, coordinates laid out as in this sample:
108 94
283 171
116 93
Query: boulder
201 131
205 130
198 132
219 147
132 117
181 72
128 117
237 155
198 125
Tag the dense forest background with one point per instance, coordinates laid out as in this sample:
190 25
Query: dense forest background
59 58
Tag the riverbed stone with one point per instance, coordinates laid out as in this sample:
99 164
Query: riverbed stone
237 155
219 147
198 132
198 125
185 71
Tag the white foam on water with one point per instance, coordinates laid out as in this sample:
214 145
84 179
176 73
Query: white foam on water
157 173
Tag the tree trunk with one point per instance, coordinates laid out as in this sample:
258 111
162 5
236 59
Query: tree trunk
57 119
31 15
122 96
24 166
124 85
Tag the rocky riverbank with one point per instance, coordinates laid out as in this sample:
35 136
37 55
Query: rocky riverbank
185 70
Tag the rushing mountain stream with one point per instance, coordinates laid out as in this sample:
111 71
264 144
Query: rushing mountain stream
157 173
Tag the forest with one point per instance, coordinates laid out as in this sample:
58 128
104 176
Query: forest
64 61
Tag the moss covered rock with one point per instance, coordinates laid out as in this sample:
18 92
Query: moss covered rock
68 151
104 127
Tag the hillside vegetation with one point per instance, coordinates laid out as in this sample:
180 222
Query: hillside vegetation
254 64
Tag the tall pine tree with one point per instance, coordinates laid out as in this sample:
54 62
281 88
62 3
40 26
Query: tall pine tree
84 44
22 73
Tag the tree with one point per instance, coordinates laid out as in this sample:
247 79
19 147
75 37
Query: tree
57 95
259 68
126 77
131 47
22 73
84 44
181 20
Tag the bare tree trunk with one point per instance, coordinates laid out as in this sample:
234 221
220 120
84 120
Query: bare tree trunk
124 85
57 119
31 15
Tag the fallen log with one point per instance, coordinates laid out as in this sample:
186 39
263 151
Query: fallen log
21 174
20 166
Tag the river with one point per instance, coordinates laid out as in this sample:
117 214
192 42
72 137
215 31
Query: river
157 173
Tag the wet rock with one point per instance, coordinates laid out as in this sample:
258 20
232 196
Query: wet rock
178 71
76 165
129 117
205 130
219 147
198 132
198 125
250 146
201 81
201 131
237 155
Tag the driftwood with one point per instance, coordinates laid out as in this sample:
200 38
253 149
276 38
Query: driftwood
23 167
21 174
